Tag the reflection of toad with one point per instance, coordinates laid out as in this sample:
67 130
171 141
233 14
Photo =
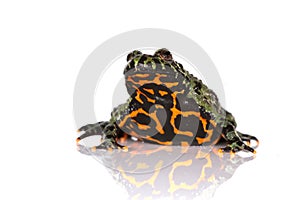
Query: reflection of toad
156 171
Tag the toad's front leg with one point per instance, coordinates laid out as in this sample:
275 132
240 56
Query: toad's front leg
235 140
91 129
108 132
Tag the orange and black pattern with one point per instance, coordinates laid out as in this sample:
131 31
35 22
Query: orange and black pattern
166 117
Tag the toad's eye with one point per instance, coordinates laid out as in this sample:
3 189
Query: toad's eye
164 54
133 54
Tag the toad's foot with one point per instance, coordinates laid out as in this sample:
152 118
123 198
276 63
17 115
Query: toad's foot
108 133
248 138
109 144
235 142
237 146
91 129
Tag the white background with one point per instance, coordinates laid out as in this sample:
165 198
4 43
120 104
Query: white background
255 46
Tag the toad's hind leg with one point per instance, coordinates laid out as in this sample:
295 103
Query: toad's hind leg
109 134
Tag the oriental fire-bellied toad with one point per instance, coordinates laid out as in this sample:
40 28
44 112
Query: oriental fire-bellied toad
167 106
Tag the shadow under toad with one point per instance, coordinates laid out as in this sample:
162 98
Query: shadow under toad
155 171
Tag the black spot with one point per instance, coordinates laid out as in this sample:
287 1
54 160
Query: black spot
200 132
197 88
205 114
209 126
143 98
177 121
142 119
109 128
143 59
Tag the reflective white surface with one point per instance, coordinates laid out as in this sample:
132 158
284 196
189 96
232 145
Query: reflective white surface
149 171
